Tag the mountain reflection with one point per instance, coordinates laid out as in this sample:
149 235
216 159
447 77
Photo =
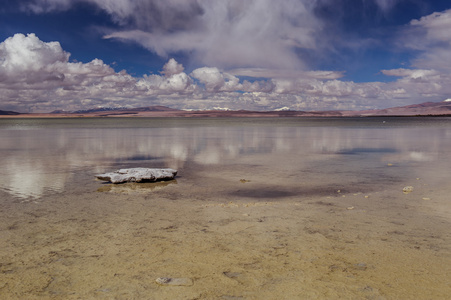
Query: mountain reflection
36 160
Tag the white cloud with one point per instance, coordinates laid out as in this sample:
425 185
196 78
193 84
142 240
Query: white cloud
421 83
346 91
416 74
172 67
436 27
179 83
38 75
215 81
279 73
230 33
430 73
430 35
225 34
22 57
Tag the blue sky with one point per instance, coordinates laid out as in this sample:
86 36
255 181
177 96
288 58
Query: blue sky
203 54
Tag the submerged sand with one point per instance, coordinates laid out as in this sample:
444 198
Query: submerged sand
235 239
256 211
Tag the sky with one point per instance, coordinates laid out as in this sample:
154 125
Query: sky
223 54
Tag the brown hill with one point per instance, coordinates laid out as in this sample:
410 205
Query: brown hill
8 113
422 109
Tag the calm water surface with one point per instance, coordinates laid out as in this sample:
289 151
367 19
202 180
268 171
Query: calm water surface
295 208
40 156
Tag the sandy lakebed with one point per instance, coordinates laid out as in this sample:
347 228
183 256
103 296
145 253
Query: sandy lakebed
258 210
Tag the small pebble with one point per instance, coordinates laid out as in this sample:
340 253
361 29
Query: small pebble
174 281
407 189
427 199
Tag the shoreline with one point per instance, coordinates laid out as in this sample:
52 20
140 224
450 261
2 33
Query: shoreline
213 115
415 110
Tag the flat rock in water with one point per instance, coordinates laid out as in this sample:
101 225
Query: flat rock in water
138 175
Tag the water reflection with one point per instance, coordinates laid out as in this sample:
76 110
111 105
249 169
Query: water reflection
43 158
133 187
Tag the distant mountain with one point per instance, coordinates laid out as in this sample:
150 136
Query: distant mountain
8 113
60 111
98 109
152 108
422 109
115 109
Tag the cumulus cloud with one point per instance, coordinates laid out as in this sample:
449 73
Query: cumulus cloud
179 83
430 36
40 76
435 27
22 57
421 83
430 72
27 63
172 67
215 81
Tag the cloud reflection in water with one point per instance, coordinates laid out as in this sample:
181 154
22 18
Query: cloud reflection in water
37 161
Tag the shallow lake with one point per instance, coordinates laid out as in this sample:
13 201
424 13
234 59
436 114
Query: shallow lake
286 208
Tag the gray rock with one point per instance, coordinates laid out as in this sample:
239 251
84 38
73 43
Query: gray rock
138 175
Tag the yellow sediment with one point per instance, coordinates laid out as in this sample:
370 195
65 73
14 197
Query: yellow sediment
114 244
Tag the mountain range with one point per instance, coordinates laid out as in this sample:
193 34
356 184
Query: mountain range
424 109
